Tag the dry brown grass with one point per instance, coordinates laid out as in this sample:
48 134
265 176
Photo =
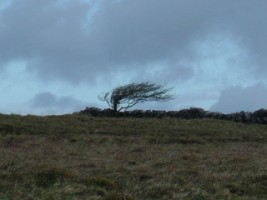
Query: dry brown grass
80 157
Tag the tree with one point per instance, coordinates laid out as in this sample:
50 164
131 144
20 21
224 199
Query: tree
125 97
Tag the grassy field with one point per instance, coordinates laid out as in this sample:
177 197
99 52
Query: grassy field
82 157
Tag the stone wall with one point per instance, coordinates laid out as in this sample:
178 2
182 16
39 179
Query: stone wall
259 116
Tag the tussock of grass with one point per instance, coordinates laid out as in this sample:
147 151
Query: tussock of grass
82 157
48 176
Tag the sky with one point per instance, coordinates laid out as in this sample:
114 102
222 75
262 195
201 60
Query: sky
57 56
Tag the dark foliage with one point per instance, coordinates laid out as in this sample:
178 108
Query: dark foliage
258 117
125 97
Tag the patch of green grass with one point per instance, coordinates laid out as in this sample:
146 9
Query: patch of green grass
102 182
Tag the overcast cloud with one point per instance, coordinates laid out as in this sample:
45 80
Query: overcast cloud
48 103
202 48
236 99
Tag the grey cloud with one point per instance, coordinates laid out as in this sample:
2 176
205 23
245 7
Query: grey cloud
47 102
60 41
236 99
49 36
165 74
45 99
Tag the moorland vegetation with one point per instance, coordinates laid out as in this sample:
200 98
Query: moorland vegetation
79 156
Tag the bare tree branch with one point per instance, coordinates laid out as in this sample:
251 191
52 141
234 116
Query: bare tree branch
127 96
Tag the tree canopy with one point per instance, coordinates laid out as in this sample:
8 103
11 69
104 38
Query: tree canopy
125 97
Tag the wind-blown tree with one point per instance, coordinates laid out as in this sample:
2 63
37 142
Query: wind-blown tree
125 97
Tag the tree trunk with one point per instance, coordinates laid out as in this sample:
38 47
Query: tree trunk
115 105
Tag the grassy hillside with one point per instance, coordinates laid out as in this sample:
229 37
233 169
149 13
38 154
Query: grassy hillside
81 157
